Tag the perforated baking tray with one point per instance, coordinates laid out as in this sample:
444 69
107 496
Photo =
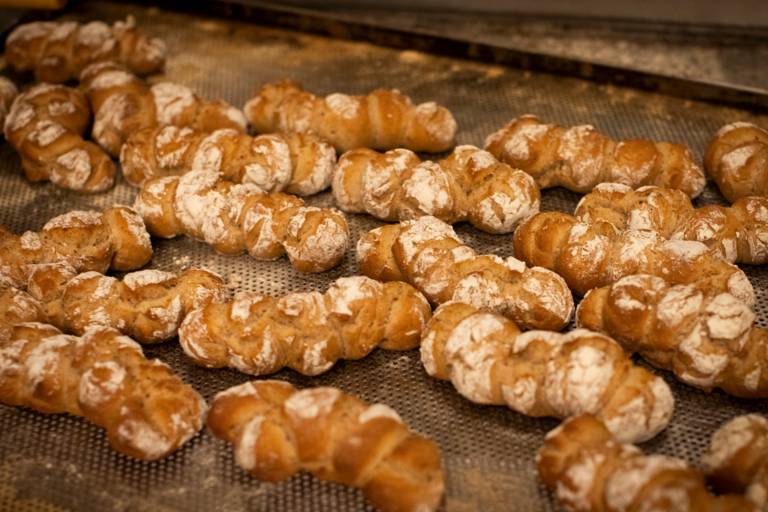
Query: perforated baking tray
63 463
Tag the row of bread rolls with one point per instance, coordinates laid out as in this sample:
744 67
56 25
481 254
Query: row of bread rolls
104 58
576 158
161 132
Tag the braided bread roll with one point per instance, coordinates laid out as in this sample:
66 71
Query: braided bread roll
589 255
45 125
544 373
592 471
8 92
277 431
58 51
427 254
738 233
115 238
383 119
468 185
307 332
737 159
237 217
736 460
147 411
147 305
297 163
124 104
580 157
707 339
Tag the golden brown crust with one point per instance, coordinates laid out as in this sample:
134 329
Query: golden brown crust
427 254
737 159
708 339
307 332
469 185
589 255
579 158
8 92
123 104
374 254
58 51
736 460
590 471
85 240
146 410
738 233
277 431
544 373
383 119
17 307
297 163
239 217
45 125
147 305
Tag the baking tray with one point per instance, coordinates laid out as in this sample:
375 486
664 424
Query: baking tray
57 462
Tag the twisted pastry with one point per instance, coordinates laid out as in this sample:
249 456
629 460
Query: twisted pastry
147 411
58 51
544 373
591 471
468 185
46 125
589 255
297 163
707 339
147 305
233 218
383 119
307 332
736 460
277 431
738 233
85 240
237 217
428 254
124 104
737 159
580 157
8 92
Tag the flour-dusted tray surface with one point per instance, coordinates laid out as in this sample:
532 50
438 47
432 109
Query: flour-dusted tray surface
57 462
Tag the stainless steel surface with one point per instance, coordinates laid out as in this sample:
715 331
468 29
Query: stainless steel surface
726 55
60 462
704 62
737 12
